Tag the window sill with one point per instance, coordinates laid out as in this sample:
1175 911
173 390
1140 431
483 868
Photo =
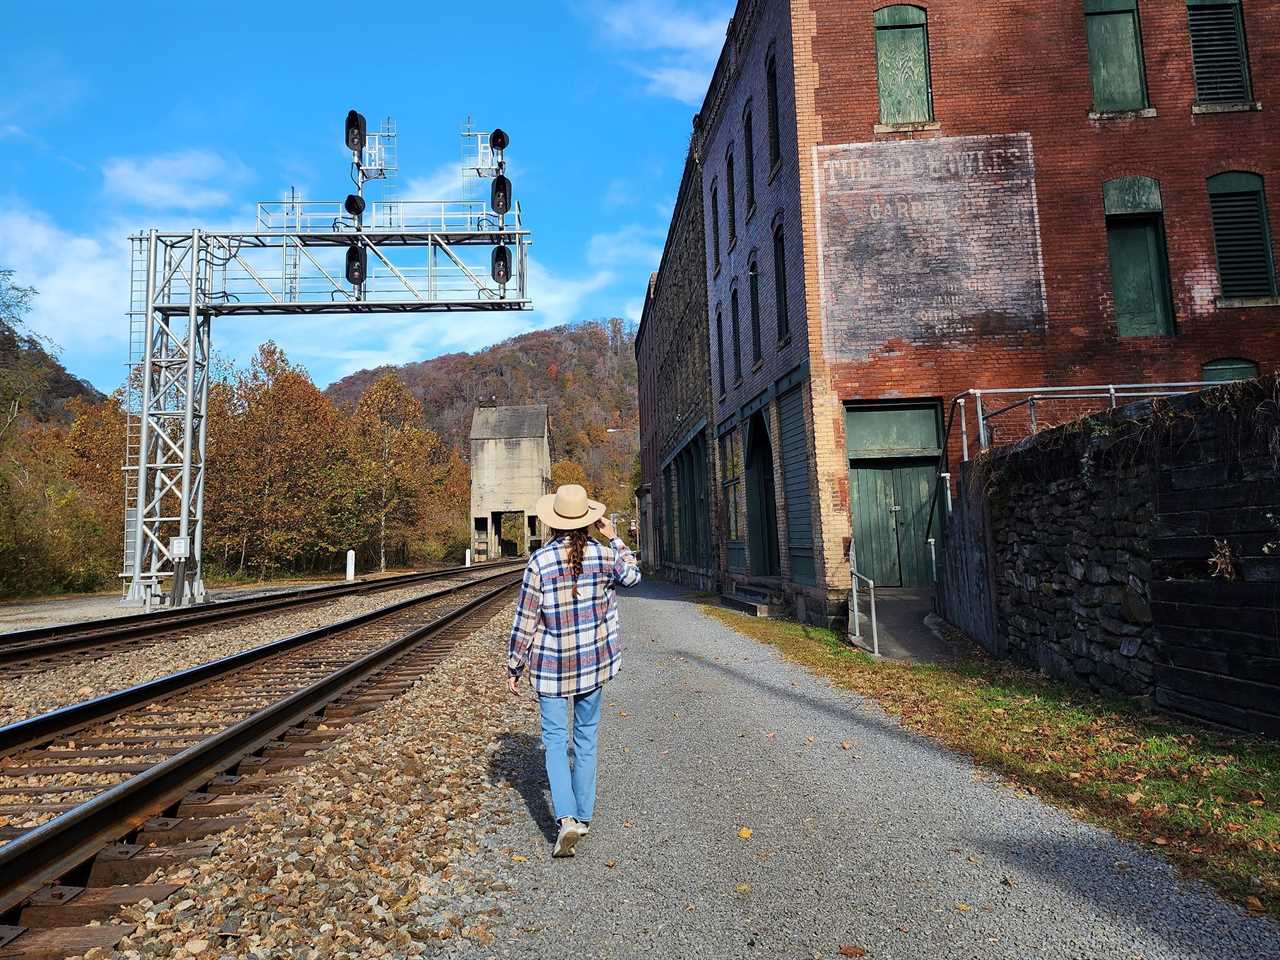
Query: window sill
733 242
1240 303
1246 107
774 170
758 365
784 341
737 383
1137 114
906 127
716 271
751 212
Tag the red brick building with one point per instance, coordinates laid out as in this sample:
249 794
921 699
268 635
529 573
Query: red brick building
973 195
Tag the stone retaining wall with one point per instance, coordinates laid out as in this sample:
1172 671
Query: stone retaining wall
1137 552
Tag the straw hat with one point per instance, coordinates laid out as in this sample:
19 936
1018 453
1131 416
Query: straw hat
569 508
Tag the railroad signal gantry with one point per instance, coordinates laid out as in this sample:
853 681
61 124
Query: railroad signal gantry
303 257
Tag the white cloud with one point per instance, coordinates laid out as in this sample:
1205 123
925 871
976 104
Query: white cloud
82 282
184 180
681 43
632 244
444 183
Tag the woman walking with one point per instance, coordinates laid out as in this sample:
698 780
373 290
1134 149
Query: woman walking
566 635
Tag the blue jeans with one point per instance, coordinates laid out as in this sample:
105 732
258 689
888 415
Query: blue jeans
572 794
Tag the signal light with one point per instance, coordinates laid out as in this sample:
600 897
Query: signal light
355 131
500 195
357 264
498 140
354 204
501 265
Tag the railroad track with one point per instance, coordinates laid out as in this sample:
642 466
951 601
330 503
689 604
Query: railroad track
42 648
97 796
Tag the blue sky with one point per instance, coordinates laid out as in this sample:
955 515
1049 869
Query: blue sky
116 118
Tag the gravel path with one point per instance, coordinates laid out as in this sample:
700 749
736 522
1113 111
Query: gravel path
37 693
891 846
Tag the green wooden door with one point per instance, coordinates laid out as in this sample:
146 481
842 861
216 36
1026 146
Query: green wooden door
875 532
1138 276
893 454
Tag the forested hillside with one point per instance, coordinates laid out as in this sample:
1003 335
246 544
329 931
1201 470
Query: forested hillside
585 373
296 475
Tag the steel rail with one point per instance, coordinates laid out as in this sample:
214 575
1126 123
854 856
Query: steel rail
40 729
36 642
51 849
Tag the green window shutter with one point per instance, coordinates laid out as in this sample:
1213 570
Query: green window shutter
749 160
780 282
715 225
1115 55
730 197
1240 235
902 65
771 95
795 485
1218 52
720 349
1139 276
1229 368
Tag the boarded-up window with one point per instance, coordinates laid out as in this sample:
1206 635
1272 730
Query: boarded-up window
1241 236
1139 263
1115 55
749 160
731 472
1228 368
1218 52
902 65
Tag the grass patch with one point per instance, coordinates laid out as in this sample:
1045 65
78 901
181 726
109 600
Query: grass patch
1209 802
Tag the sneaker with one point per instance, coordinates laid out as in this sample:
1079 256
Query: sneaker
584 827
567 838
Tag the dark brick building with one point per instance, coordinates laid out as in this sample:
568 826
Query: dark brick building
970 195
676 498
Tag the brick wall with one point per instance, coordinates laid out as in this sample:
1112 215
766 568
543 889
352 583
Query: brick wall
1137 552
672 350
1005 68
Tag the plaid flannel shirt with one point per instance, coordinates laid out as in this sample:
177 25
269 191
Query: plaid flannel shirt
570 645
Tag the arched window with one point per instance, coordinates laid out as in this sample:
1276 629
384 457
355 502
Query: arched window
749 159
1241 235
902 65
715 225
1139 262
771 96
720 349
730 196
780 282
1228 368
753 293
735 323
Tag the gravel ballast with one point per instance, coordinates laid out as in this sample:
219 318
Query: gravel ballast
747 809
36 693
384 846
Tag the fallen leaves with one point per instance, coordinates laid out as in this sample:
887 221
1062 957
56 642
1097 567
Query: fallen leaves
963 907
744 833
519 858
849 950
611 864
743 888
845 745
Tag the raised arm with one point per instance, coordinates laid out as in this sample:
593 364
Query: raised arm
626 571
525 626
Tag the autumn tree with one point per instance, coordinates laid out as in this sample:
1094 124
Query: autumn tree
397 457
568 471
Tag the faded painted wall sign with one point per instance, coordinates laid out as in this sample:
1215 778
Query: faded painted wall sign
928 241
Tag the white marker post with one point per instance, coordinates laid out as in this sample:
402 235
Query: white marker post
351 565
468 558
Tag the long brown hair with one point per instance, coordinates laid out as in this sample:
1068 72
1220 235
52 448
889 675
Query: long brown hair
577 545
